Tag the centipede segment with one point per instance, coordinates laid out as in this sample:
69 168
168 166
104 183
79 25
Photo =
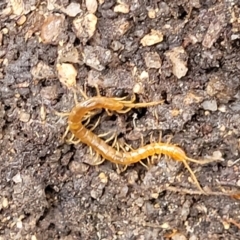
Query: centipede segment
116 153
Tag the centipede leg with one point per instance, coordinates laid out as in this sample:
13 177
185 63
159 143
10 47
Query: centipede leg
193 176
74 142
95 125
104 134
169 139
88 116
121 99
115 142
75 97
120 170
97 90
96 161
65 133
130 147
124 111
159 140
127 145
83 93
110 138
133 99
71 141
108 112
88 120
156 115
114 136
142 163
148 160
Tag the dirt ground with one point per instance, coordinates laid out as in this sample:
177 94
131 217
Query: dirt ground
183 52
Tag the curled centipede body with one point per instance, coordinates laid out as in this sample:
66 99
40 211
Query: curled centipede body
108 152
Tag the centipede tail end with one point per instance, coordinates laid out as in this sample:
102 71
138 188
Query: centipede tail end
202 162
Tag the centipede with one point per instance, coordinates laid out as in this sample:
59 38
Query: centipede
120 156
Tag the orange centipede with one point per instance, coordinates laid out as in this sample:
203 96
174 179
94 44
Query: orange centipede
76 127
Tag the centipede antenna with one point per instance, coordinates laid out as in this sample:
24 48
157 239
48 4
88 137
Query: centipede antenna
193 176
141 105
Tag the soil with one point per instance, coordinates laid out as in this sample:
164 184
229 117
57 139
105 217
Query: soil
183 52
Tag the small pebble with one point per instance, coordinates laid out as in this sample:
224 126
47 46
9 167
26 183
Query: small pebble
73 9
210 105
152 38
152 60
103 177
17 178
21 20
52 28
78 167
5 202
24 116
